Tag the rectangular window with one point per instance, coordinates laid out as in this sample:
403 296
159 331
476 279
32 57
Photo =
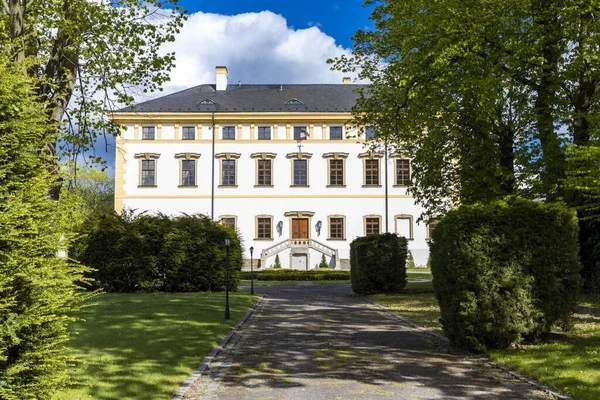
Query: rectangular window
148 172
336 228
228 221
430 227
371 172
188 133
148 133
300 172
229 133
335 132
370 132
372 225
336 172
264 133
263 228
264 172
188 172
228 171
300 133
404 226
402 172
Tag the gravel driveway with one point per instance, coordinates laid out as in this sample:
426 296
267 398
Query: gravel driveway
324 342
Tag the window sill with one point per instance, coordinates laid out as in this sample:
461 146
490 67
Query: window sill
336 240
400 186
371 186
188 138
264 239
228 139
147 186
334 186
264 186
263 139
227 186
187 186
148 139
300 186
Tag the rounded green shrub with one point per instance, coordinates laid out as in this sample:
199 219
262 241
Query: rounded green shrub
378 263
505 271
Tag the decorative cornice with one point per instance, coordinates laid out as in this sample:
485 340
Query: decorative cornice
335 155
147 156
299 155
370 155
263 156
228 156
299 214
188 156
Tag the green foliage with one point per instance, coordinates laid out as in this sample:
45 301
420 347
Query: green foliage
378 263
410 261
505 271
277 262
158 253
38 290
90 57
95 188
319 274
491 95
323 263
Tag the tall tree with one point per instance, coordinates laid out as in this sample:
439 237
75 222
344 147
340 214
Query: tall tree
91 55
38 290
486 97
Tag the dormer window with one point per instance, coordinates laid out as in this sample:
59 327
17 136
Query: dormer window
207 102
293 102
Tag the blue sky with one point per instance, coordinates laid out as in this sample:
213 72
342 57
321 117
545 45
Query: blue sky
337 18
260 41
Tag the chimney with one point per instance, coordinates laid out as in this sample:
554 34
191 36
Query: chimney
221 78
346 80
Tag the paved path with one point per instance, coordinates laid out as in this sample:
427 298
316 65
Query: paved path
323 342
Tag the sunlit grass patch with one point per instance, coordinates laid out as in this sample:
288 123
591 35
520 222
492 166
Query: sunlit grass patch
143 346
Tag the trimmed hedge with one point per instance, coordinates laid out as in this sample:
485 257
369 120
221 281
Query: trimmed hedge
279 274
378 263
505 271
158 253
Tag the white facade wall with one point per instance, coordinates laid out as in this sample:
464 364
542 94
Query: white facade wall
245 202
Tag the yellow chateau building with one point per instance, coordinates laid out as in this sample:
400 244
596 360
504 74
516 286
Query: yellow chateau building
277 162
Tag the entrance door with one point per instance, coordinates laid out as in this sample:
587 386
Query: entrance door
299 262
300 228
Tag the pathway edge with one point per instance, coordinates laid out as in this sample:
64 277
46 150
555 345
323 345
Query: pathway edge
189 382
502 367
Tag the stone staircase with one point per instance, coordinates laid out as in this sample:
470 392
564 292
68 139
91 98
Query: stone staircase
299 244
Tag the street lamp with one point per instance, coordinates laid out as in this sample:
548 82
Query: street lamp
251 271
227 244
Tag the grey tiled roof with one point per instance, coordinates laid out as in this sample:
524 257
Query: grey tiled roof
255 98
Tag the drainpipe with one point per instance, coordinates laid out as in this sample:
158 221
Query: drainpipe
387 228
212 193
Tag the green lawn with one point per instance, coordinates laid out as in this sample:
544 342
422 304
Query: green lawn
419 270
143 346
570 362
590 300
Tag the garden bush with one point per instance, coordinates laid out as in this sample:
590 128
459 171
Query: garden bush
157 253
505 271
378 263
279 274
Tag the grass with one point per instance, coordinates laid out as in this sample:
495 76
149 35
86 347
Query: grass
419 270
143 346
590 300
569 362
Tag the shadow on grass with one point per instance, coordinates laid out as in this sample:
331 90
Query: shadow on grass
569 361
143 346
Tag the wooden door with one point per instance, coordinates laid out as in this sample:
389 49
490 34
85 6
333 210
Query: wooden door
300 228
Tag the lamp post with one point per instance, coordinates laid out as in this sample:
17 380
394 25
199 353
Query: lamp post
227 244
251 271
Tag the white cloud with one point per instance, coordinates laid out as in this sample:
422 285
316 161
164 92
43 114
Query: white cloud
255 47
